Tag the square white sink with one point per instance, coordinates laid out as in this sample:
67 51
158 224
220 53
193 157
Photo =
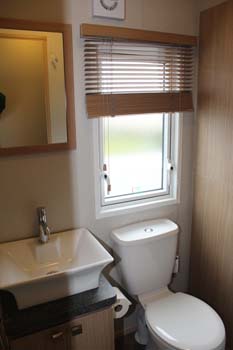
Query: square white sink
35 273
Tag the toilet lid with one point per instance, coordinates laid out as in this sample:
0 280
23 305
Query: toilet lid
185 322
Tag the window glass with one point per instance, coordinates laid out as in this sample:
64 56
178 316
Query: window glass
135 155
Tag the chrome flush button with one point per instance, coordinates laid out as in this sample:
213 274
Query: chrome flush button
148 229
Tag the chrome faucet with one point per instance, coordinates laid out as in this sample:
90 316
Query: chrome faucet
44 230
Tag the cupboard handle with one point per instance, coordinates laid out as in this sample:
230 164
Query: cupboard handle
57 335
76 330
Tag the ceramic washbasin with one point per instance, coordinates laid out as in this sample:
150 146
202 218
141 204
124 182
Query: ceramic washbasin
35 273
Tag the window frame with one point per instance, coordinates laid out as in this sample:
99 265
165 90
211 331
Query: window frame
143 202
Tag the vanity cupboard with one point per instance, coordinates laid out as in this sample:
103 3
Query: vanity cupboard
94 331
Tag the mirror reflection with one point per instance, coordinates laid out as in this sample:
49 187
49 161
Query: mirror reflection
32 88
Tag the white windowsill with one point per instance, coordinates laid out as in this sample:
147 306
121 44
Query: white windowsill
132 207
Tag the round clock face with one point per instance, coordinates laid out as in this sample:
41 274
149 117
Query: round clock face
109 5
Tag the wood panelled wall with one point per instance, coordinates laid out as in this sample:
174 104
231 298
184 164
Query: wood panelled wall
211 276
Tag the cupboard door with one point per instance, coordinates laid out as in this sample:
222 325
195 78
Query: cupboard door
52 339
93 332
4 345
57 339
26 343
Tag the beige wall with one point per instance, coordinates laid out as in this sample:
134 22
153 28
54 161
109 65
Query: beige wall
63 181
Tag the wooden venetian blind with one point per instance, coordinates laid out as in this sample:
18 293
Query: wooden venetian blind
130 77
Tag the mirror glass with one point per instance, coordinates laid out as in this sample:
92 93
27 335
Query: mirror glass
32 88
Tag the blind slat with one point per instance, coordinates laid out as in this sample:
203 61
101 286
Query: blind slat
153 74
123 104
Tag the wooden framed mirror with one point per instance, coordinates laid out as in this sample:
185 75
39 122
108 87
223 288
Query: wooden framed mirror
36 87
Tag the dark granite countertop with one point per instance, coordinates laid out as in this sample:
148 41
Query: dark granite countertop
19 323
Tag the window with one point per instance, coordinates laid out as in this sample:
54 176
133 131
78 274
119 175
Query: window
145 85
137 161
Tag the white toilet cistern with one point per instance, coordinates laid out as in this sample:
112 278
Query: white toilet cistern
166 320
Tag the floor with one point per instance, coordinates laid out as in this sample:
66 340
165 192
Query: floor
128 343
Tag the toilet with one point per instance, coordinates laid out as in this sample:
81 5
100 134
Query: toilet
166 320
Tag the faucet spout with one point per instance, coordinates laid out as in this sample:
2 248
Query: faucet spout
44 230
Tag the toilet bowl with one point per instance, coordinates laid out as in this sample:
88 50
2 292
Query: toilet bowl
181 321
166 320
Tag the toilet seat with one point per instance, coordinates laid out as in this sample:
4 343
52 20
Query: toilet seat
183 322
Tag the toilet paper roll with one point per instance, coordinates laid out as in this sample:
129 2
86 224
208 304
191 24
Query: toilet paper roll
121 305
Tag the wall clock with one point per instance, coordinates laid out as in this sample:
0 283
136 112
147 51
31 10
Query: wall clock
109 8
